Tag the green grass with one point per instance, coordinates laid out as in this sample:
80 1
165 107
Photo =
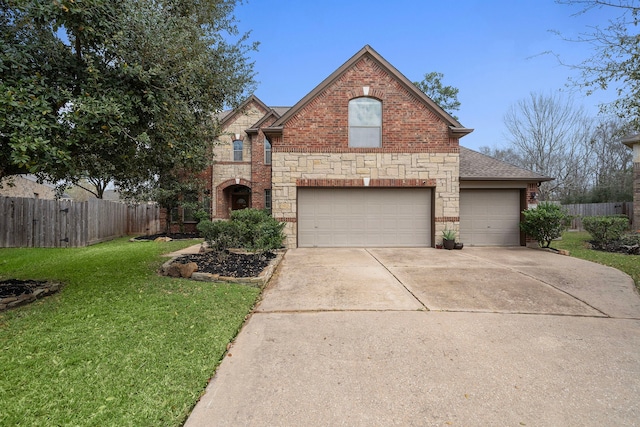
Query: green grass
577 244
119 345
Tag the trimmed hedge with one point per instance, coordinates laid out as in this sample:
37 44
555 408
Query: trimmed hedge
251 229
544 223
605 229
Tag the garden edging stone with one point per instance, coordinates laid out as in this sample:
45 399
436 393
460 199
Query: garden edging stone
257 281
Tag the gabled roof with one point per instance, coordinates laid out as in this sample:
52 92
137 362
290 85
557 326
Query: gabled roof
225 116
272 113
456 128
476 166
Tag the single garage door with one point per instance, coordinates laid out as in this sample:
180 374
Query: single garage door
490 217
364 217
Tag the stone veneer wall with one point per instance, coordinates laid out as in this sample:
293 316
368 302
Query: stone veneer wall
438 170
224 168
24 187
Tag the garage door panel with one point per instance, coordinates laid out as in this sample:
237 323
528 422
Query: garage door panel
370 217
490 217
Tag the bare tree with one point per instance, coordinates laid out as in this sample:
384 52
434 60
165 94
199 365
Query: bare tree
612 163
507 155
615 58
551 136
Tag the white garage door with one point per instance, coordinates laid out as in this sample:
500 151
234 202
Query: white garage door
490 217
364 217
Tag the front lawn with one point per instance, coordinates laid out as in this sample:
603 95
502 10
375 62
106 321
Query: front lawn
119 345
577 244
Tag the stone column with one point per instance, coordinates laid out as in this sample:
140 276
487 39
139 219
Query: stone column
633 142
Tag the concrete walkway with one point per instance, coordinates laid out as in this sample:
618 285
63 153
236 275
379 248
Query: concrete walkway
425 337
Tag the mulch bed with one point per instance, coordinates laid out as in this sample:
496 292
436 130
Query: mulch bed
617 247
14 293
230 264
172 236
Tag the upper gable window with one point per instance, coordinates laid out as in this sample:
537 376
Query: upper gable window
365 122
237 150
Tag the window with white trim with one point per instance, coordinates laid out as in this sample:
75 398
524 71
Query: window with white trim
267 152
365 122
237 150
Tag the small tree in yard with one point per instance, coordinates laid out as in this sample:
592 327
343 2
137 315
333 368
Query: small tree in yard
545 223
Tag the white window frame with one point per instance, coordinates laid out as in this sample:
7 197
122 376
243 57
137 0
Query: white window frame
365 123
237 153
267 152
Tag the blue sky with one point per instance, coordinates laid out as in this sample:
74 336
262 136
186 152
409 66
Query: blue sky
490 50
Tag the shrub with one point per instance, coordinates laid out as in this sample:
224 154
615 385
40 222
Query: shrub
605 229
251 229
545 223
220 235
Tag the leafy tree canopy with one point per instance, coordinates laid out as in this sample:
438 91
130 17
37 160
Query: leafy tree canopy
445 96
116 90
615 58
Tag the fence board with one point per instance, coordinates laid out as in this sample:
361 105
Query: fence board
27 222
596 209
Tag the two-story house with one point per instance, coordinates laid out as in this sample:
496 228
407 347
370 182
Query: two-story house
366 159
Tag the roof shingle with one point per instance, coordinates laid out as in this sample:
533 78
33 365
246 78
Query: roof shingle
476 166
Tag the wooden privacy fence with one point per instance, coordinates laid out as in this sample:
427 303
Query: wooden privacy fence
39 223
597 209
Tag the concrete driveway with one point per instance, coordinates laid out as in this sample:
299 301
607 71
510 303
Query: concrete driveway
426 337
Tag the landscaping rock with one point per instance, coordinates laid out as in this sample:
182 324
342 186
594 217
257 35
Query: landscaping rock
178 269
163 239
186 270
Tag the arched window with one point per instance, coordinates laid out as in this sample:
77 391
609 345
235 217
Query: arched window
237 150
365 122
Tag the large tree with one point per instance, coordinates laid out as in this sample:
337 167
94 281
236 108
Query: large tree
551 136
120 90
611 164
445 96
615 58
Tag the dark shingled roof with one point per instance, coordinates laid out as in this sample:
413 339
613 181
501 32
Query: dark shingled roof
476 166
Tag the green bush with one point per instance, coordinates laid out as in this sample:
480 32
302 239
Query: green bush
251 229
220 235
605 229
546 222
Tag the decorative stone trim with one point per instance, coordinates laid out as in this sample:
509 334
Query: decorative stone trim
446 219
287 219
438 149
303 182
230 182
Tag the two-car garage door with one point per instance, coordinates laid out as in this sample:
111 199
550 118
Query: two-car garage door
364 217
396 217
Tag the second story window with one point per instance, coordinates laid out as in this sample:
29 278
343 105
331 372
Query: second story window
365 122
267 152
237 150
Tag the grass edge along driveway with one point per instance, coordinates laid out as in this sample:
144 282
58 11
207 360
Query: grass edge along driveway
119 345
577 243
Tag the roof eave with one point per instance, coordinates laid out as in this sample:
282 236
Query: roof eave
632 140
273 130
459 132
